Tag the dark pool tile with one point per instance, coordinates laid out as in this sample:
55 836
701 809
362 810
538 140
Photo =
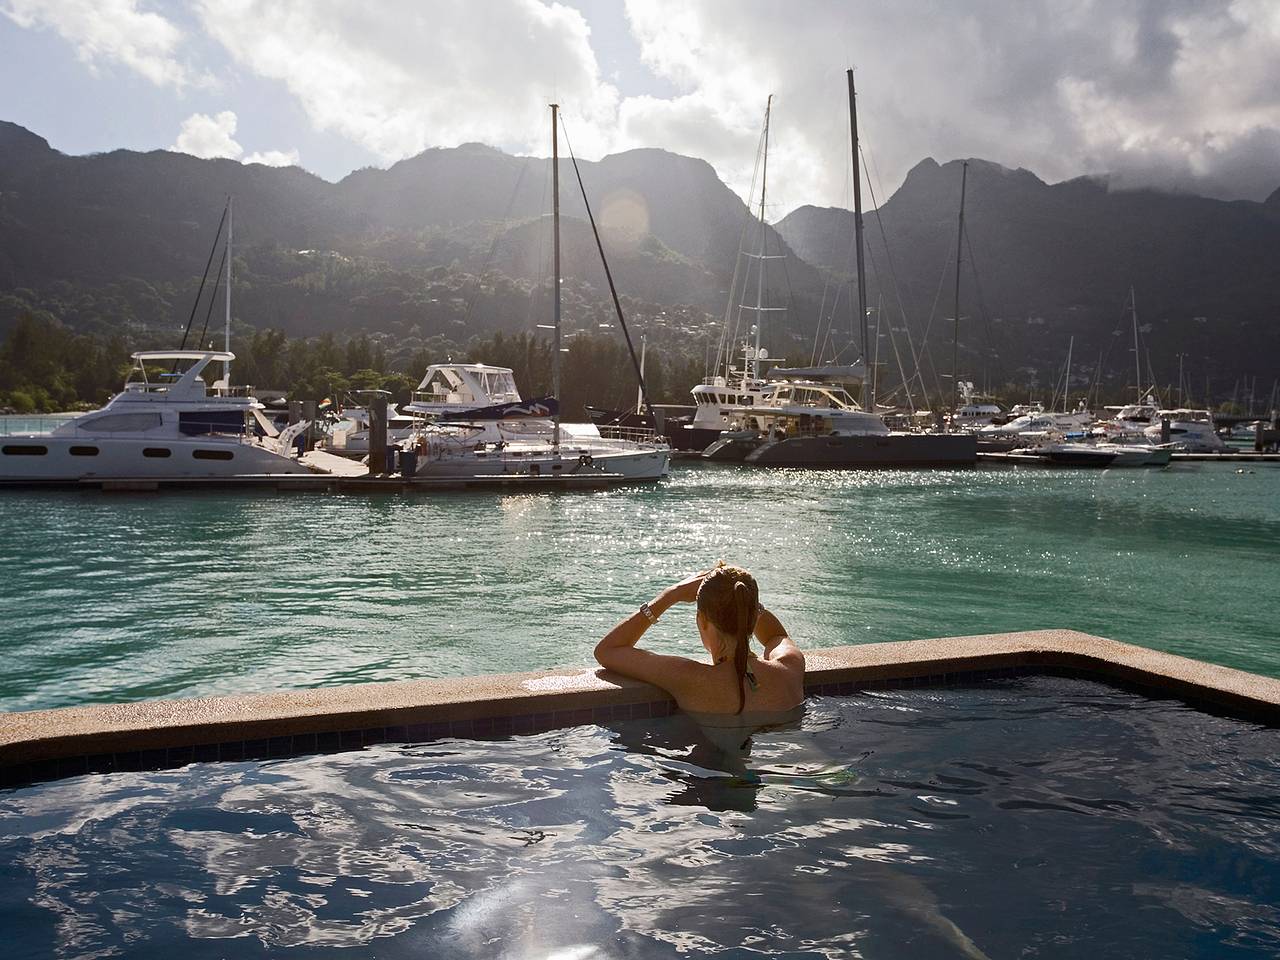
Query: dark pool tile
459 728
42 770
304 743
396 734
101 763
232 750
179 756
257 749
351 739
482 727
522 724
502 726
374 735
418 732
16 775
543 721
72 767
328 742
280 747
205 753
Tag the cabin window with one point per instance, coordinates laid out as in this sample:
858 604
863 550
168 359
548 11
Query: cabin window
24 450
158 452
84 451
121 423
212 454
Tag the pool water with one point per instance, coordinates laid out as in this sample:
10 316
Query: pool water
1035 817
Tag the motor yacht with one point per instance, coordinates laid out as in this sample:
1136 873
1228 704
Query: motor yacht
472 421
164 425
1191 431
349 436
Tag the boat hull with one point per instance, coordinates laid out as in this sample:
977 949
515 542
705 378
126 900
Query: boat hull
730 448
652 464
885 450
48 458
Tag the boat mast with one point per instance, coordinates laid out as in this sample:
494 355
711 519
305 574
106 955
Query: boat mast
226 337
1066 376
555 227
857 233
1137 362
644 342
955 327
752 364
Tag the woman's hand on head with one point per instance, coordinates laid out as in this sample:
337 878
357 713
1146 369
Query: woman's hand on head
686 591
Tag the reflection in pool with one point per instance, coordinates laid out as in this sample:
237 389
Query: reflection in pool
1034 817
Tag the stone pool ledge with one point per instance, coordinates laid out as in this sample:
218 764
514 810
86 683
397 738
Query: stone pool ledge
48 744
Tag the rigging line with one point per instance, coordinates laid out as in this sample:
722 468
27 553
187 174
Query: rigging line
822 312
982 302
487 263
213 294
924 340
892 339
212 250
613 290
724 349
897 289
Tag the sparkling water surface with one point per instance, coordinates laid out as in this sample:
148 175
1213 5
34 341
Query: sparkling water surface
109 597
1038 817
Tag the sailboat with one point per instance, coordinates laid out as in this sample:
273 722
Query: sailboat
166 426
853 437
477 425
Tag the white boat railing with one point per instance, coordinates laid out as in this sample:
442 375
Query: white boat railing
21 424
631 434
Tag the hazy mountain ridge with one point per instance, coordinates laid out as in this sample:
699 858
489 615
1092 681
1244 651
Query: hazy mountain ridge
1053 260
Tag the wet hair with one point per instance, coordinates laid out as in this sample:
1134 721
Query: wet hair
730 599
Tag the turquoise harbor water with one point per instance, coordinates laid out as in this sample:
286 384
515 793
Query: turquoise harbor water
107 597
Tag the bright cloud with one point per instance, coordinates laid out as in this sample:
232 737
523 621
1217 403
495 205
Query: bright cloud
399 76
275 158
1180 94
206 137
1176 94
111 32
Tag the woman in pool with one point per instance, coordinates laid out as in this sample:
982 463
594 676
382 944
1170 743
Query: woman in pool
736 682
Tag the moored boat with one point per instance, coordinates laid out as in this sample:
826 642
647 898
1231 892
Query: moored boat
165 427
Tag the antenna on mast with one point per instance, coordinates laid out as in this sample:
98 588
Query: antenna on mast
555 226
868 385
226 338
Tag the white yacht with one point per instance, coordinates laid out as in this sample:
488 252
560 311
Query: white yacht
977 411
1036 423
474 422
169 427
349 436
1191 431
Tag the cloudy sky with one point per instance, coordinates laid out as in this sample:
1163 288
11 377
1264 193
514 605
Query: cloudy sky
1182 94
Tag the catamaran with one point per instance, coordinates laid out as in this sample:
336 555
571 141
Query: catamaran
168 426
476 423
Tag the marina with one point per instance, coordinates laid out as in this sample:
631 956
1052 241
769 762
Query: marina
630 544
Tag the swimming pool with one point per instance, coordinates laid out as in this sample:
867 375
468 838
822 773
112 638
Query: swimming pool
1036 816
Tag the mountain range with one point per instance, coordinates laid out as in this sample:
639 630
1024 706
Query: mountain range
392 250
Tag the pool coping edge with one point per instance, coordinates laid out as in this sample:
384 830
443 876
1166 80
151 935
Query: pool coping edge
47 744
